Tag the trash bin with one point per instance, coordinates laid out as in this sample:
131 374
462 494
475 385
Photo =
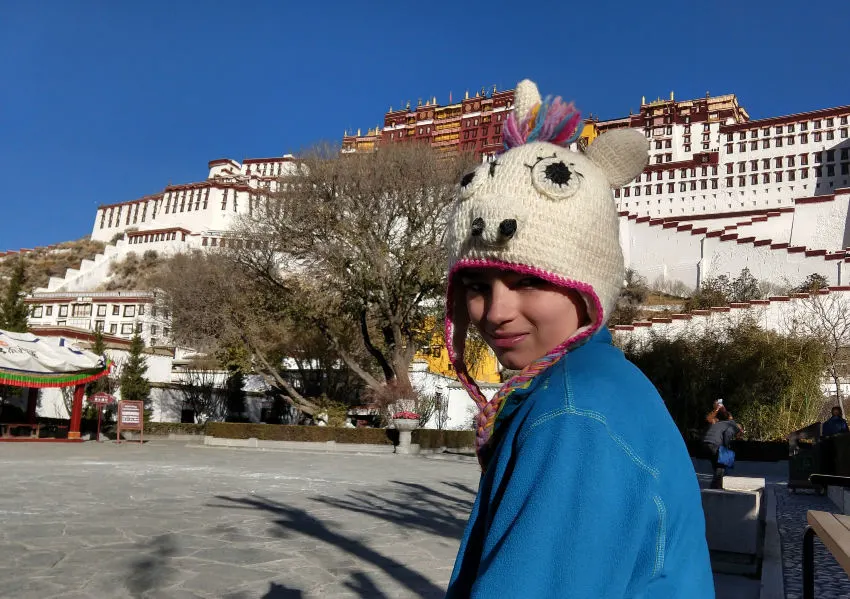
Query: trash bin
805 458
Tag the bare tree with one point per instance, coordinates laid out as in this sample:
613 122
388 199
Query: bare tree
353 244
198 389
212 304
825 316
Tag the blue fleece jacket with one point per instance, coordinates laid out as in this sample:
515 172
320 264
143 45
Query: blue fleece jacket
589 492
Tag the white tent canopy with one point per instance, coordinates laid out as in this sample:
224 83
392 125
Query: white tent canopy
30 361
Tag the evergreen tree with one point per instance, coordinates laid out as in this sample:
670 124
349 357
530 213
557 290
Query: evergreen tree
235 393
134 385
13 310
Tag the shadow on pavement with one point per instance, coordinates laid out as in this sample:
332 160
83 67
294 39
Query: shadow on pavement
414 505
150 570
290 519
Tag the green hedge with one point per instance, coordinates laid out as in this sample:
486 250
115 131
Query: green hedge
178 428
434 439
279 432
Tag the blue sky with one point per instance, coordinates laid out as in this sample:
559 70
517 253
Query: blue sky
105 101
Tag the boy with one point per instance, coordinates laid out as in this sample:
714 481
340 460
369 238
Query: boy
587 489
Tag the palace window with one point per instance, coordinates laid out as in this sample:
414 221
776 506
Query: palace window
778 129
113 328
765 144
101 310
792 175
129 310
742 166
830 122
714 184
80 310
37 311
804 138
754 165
830 170
63 310
790 160
778 142
742 180
729 148
778 177
127 328
830 135
754 179
778 162
804 159
817 124
830 155
729 168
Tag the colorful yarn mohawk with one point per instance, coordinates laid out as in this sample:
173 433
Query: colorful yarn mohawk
553 121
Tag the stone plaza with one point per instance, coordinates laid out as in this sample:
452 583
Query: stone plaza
177 520
171 520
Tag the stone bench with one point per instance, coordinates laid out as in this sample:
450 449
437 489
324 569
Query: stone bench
735 523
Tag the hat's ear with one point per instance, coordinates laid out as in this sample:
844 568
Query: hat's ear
526 97
621 154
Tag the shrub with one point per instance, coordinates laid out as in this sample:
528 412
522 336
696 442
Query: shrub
770 382
434 439
177 428
283 432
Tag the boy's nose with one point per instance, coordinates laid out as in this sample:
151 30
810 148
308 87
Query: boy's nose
502 306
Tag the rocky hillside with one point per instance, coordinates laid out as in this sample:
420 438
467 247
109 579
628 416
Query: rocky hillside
52 261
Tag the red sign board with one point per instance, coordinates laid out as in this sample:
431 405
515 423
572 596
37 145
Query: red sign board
131 417
101 399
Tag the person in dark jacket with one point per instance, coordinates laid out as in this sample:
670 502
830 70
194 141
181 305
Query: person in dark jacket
721 432
835 425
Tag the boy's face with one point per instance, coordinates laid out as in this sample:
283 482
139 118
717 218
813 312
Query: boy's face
520 316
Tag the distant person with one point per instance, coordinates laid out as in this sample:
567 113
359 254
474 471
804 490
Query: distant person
835 425
587 490
722 431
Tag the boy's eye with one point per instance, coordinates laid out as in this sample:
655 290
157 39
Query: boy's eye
530 282
475 286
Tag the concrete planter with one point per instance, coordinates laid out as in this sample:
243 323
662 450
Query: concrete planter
404 427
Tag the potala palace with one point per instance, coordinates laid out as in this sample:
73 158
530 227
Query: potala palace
721 192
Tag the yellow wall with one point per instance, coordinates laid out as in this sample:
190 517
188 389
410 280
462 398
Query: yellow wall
485 369
589 132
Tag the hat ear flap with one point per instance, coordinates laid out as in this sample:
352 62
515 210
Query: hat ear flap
621 154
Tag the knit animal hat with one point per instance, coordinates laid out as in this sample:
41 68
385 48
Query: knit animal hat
543 210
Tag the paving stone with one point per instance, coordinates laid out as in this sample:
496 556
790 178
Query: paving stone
831 581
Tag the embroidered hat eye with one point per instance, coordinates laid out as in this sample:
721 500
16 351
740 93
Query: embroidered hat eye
556 178
470 182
